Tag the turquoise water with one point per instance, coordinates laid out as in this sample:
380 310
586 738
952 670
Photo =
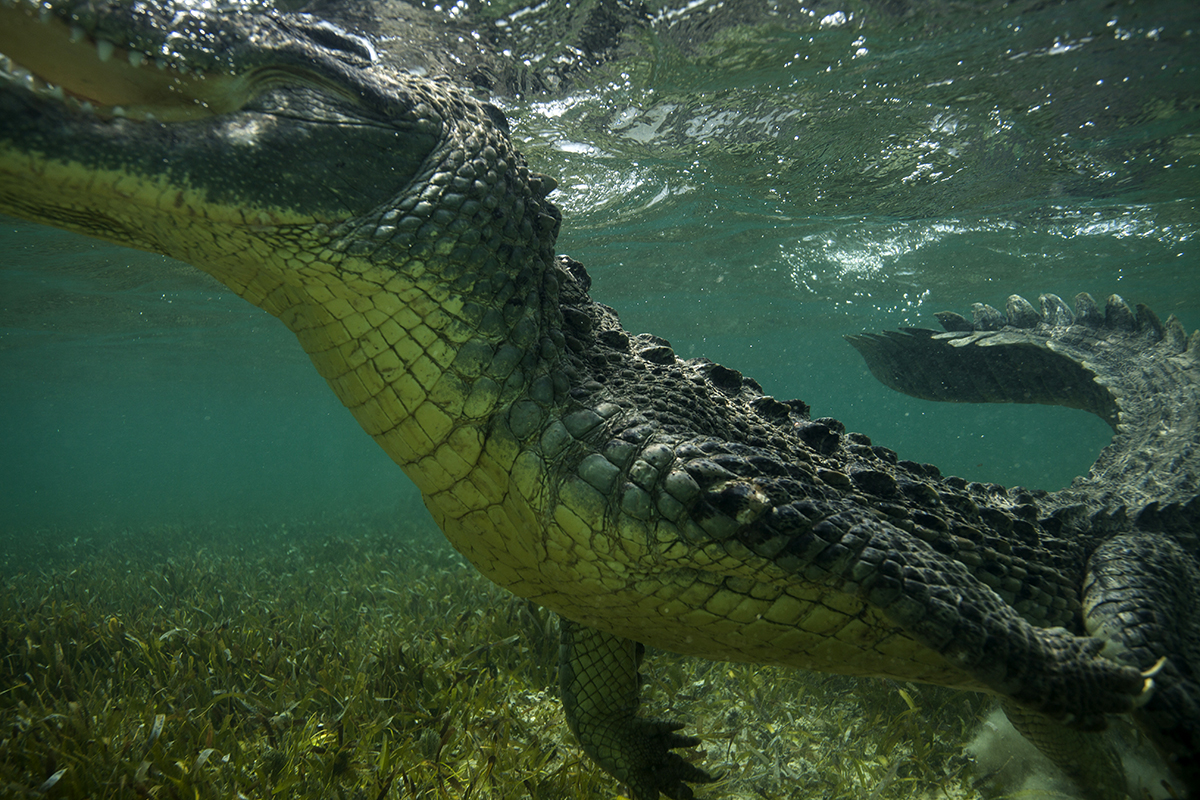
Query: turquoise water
750 193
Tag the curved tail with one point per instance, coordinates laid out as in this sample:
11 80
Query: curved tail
1143 378
1138 374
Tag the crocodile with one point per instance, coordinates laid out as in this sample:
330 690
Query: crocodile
389 222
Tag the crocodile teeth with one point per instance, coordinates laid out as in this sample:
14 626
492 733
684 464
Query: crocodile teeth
15 73
104 49
11 71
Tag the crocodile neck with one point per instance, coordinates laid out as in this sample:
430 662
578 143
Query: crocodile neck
425 329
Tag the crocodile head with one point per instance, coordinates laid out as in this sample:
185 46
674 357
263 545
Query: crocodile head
280 132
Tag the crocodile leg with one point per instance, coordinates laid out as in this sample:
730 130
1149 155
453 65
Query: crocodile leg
598 674
1141 595
1087 758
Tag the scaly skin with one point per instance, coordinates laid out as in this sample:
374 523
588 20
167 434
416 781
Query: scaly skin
388 222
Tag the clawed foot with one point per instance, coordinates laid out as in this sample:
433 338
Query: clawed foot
650 767
1087 686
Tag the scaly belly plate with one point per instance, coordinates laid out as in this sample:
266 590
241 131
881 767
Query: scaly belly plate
709 609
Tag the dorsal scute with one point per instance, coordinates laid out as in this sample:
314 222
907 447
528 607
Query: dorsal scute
1055 312
1056 316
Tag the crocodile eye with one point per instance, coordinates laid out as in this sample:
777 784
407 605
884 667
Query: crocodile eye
347 46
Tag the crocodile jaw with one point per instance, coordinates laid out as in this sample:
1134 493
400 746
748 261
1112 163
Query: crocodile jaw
47 54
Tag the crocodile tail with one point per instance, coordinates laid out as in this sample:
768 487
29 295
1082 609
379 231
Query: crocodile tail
1138 374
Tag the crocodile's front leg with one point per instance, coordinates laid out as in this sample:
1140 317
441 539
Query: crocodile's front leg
598 673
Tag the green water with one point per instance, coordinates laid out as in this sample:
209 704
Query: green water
750 193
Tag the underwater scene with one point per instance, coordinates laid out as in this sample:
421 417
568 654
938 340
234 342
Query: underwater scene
216 585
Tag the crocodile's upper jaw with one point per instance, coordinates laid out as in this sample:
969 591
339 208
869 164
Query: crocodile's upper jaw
170 61
90 72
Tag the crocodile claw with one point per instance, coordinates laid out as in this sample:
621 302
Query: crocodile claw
1148 685
1066 679
651 768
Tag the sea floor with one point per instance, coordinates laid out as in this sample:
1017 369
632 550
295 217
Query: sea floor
345 659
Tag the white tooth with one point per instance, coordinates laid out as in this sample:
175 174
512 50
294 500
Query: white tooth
56 92
160 63
136 58
118 111
87 106
104 49
77 33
